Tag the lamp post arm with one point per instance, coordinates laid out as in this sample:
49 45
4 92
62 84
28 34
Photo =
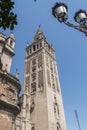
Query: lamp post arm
82 28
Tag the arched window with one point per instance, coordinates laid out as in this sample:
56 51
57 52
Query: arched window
32 128
40 44
30 51
58 126
11 43
34 48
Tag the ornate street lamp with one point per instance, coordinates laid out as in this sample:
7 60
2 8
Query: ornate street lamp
60 11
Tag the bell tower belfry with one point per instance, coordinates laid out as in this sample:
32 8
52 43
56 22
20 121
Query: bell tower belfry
41 83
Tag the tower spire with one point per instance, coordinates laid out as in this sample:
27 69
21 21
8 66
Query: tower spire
39 29
39 34
39 25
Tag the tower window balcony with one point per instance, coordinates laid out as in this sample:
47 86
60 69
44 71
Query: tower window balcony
33 68
33 87
33 77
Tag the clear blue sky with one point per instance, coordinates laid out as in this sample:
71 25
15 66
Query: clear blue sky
70 48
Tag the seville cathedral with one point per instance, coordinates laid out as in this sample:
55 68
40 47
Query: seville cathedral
40 107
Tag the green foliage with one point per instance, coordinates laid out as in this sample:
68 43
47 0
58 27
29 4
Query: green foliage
7 17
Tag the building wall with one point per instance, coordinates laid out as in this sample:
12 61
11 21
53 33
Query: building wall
5 122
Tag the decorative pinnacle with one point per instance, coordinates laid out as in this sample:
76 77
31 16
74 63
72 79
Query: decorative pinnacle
39 25
17 74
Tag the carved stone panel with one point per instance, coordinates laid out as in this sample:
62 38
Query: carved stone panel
8 91
33 87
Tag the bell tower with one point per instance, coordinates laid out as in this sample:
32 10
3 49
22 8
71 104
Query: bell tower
41 83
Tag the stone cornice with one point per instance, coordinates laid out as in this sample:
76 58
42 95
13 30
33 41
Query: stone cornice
9 107
8 51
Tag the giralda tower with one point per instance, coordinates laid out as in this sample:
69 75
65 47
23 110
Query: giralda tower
42 90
